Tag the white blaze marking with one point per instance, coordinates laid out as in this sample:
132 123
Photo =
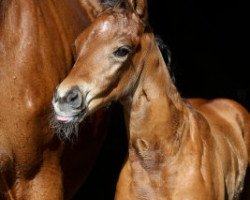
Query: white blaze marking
104 26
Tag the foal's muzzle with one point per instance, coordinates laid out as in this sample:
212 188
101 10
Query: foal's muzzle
71 106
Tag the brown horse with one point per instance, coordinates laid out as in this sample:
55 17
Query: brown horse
178 149
36 38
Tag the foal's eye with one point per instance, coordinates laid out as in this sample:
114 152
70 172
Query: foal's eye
122 51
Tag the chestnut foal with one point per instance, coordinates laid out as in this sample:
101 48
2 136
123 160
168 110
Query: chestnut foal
177 149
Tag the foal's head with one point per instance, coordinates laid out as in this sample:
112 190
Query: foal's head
109 58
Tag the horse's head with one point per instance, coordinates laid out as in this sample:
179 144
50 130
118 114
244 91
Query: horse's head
108 62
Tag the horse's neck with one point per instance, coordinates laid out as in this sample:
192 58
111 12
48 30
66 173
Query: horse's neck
36 27
27 15
155 113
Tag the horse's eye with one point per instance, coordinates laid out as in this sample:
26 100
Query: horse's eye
122 51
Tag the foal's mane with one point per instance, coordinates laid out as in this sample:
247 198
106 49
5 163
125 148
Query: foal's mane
166 54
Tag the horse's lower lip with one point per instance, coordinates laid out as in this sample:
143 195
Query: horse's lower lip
73 118
64 119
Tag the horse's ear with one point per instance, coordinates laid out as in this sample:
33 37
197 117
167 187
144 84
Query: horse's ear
92 7
140 8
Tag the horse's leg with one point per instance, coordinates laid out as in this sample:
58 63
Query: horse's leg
123 185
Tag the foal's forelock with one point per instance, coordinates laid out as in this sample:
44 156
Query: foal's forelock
111 3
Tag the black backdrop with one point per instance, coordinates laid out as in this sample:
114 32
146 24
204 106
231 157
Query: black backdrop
208 42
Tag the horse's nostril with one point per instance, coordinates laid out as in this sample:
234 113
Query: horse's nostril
74 98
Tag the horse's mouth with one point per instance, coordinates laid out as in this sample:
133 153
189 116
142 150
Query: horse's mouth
76 118
66 127
64 119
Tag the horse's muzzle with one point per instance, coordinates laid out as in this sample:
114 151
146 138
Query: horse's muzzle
69 107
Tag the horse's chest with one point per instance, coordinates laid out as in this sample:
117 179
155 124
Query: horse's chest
145 185
148 177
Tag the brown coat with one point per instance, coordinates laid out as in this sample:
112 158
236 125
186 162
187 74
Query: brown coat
195 150
36 38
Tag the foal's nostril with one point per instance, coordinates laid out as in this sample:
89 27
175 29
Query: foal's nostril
74 98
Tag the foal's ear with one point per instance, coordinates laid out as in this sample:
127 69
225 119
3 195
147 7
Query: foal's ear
140 7
92 7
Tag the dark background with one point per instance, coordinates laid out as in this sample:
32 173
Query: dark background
208 42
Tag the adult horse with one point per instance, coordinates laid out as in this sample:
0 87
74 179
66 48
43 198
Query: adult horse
177 149
36 39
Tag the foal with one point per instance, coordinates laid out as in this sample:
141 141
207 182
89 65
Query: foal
177 149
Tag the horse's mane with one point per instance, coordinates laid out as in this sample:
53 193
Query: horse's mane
164 49
166 53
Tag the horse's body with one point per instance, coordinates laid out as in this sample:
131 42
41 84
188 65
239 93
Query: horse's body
177 149
36 38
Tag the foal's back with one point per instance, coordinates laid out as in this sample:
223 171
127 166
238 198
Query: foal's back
225 111
229 125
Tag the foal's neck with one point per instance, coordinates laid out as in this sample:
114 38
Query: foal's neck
154 113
